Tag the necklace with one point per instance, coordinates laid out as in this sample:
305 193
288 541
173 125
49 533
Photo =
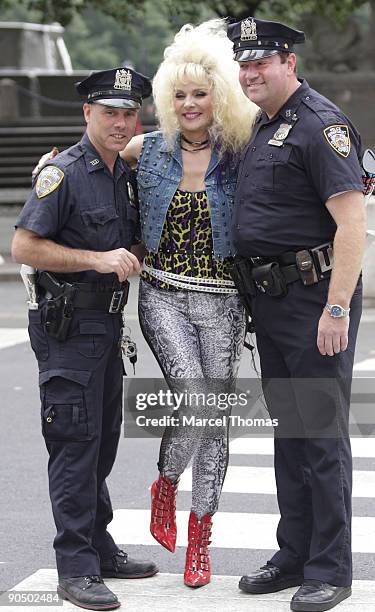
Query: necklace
194 142
196 150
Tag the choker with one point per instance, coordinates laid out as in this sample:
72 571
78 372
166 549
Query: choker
205 146
194 142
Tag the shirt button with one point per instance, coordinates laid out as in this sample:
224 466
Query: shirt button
271 155
246 174
307 98
254 149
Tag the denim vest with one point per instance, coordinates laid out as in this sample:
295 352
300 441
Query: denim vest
159 174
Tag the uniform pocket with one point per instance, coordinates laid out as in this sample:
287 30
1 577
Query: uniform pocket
38 335
92 339
64 411
271 166
102 225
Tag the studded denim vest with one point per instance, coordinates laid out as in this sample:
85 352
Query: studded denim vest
159 174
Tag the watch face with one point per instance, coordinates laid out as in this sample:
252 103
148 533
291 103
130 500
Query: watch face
336 311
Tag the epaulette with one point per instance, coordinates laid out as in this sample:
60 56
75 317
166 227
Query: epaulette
67 157
326 115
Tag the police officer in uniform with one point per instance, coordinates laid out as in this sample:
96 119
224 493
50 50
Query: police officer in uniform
77 228
299 230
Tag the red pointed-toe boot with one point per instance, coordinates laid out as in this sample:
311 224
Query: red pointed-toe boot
163 512
197 566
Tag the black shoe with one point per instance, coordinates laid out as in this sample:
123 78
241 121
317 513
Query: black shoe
269 579
316 596
87 592
122 566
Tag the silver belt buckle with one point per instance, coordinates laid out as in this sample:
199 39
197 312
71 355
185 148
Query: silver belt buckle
116 302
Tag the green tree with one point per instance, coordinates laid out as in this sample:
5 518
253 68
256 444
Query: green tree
130 11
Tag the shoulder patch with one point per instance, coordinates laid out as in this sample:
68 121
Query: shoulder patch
48 180
339 139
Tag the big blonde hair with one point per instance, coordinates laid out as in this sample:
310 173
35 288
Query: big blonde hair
204 55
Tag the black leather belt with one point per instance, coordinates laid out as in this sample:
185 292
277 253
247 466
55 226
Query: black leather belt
93 296
272 274
112 302
290 272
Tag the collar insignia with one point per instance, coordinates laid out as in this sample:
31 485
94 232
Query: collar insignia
94 162
248 30
123 80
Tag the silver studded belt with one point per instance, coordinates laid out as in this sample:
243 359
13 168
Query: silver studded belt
192 283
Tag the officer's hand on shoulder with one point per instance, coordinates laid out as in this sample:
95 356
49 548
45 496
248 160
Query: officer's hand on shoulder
43 160
332 334
119 261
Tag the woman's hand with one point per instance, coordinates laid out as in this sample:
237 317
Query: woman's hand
43 160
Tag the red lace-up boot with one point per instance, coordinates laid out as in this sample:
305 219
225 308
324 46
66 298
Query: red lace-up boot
163 512
197 566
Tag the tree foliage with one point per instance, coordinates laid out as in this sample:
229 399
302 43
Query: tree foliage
103 34
179 11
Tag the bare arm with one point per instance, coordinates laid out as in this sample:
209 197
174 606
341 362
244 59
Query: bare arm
132 151
348 211
42 253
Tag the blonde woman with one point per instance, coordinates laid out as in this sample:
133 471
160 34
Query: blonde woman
189 310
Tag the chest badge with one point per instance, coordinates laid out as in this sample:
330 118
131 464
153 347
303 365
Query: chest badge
339 139
48 180
131 195
280 135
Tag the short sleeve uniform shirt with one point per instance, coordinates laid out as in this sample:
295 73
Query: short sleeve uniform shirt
293 164
78 203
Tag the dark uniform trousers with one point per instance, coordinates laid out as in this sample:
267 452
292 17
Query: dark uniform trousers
81 403
310 395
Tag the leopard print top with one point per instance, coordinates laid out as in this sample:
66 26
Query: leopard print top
186 246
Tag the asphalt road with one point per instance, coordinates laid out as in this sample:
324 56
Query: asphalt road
26 525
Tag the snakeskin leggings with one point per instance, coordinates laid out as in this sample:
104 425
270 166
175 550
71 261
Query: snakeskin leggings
197 339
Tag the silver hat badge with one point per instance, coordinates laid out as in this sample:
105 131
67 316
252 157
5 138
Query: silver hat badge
123 80
248 29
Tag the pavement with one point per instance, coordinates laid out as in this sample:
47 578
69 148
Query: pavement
248 500
167 592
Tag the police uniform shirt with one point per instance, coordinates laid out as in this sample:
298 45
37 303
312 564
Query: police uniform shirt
78 203
282 190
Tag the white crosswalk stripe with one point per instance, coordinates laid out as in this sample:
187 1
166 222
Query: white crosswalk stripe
244 479
12 336
253 531
367 365
167 592
361 447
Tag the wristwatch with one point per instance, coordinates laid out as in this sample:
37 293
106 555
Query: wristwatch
336 311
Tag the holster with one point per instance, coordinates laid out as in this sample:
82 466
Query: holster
269 279
59 308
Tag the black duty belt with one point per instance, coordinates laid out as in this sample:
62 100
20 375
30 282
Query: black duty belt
93 296
273 274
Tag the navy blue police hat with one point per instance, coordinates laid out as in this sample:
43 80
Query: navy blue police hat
120 87
255 39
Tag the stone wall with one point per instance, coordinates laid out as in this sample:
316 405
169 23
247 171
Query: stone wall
354 93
